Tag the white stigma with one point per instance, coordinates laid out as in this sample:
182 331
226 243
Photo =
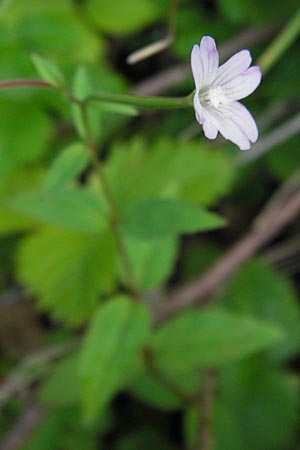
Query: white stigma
216 97
213 96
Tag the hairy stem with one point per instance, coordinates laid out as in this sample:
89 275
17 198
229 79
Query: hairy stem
157 103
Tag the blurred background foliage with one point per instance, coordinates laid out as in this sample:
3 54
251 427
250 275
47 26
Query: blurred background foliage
71 340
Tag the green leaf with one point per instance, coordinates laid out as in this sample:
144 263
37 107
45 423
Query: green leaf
48 71
25 131
263 402
82 86
261 292
159 218
116 17
147 438
67 271
12 221
111 351
173 169
151 392
67 165
74 209
223 428
62 387
63 429
152 262
208 339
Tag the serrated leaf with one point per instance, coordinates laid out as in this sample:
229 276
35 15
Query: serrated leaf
68 164
75 209
67 271
48 71
209 339
111 351
182 170
159 218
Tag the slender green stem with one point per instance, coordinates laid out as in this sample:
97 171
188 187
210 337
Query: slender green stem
272 54
173 7
142 102
114 216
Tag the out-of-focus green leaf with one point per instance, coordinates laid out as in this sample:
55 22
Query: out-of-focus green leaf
120 17
66 166
152 262
111 351
24 131
155 394
279 165
53 29
211 338
63 428
264 403
162 218
258 291
48 71
82 87
62 387
74 209
224 428
12 221
147 438
182 170
67 271
255 12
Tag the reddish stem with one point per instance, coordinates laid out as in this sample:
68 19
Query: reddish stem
24 83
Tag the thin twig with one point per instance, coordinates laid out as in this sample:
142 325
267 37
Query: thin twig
30 418
31 369
205 406
267 225
114 216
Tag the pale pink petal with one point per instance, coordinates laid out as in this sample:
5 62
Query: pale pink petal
209 58
209 128
243 85
197 67
242 117
199 111
235 65
229 128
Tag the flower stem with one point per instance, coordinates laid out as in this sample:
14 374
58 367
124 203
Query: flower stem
142 102
114 217
275 50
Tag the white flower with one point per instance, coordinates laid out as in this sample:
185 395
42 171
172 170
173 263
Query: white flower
217 92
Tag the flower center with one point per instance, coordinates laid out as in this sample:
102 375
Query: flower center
213 97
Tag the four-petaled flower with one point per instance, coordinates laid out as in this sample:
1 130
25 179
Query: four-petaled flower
217 92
